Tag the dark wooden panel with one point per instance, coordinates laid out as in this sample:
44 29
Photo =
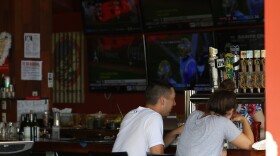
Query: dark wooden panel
27 16
33 16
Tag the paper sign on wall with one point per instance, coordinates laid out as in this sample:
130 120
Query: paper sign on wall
31 70
31 45
36 106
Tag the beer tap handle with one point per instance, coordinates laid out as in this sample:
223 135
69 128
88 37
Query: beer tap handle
256 74
213 70
250 70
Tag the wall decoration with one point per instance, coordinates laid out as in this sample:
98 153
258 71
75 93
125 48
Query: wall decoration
68 50
5 45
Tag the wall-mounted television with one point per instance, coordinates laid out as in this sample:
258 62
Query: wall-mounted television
234 12
160 15
180 58
116 63
111 16
246 39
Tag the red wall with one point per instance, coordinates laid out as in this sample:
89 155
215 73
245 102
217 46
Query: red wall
272 84
72 21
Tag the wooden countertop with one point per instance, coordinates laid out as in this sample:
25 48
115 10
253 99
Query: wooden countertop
71 146
93 140
230 152
77 146
235 152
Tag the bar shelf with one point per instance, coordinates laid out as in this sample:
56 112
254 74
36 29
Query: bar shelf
241 98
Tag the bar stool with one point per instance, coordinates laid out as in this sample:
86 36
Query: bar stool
150 154
91 153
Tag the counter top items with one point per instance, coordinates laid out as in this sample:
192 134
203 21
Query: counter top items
95 120
98 139
9 131
100 120
65 110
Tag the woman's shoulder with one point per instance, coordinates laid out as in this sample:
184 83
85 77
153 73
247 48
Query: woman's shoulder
219 119
197 113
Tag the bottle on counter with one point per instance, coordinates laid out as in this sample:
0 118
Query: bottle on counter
27 128
2 81
56 126
35 128
46 119
22 125
256 130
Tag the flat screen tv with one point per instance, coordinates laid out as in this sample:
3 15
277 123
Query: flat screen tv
180 58
236 12
246 39
116 63
175 14
111 16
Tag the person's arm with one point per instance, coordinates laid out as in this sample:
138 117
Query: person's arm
157 149
171 136
224 152
259 116
246 138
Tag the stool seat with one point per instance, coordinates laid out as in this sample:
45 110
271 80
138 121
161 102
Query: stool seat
108 153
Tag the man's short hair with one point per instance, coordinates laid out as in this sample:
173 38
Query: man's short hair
156 89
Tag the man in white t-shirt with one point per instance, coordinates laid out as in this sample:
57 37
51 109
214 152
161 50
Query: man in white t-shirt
141 130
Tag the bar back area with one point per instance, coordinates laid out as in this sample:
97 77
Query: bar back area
72 69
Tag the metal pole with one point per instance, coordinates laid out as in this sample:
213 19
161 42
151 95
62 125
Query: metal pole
189 106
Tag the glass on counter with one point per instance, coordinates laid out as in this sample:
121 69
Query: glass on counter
9 130
256 128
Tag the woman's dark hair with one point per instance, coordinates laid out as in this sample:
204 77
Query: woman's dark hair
222 101
157 89
227 84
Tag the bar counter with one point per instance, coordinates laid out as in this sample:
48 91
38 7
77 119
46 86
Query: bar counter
78 146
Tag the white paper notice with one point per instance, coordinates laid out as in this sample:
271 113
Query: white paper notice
31 70
31 45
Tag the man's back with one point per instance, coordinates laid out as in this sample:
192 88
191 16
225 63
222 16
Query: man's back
141 129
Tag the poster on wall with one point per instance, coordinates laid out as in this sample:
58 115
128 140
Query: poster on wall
68 76
31 70
31 45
